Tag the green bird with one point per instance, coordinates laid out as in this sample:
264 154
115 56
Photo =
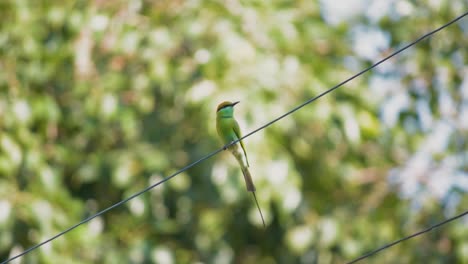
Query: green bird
229 131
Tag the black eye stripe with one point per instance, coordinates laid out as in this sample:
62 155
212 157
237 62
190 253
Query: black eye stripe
223 107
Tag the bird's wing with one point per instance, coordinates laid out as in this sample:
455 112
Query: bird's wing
238 134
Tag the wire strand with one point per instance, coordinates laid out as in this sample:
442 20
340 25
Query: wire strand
234 142
112 207
409 237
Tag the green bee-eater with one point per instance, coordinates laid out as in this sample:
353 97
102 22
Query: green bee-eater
229 131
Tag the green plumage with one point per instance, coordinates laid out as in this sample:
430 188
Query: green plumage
229 131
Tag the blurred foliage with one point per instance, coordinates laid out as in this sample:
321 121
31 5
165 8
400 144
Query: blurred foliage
101 99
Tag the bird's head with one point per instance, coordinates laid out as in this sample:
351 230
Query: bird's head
226 109
226 106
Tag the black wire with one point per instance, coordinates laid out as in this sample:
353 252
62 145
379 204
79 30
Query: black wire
408 237
352 78
113 206
234 142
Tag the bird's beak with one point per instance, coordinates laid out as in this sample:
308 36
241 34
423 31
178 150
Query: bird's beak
233 104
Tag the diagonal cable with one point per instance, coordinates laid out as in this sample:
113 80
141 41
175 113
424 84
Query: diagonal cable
234 142
409 237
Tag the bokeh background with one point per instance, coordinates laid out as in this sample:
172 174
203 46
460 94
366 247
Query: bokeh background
100 99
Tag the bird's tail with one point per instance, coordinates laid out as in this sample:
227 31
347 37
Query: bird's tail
251 188
242 159
259 210
248 179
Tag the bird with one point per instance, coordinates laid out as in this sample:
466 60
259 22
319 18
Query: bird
229 132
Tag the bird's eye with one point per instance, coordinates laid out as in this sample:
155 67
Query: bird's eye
219 109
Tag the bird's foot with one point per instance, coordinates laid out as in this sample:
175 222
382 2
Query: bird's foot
228 145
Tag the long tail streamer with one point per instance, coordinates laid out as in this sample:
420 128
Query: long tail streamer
260 210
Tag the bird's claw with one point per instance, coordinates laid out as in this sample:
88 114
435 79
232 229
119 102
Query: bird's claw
228 145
